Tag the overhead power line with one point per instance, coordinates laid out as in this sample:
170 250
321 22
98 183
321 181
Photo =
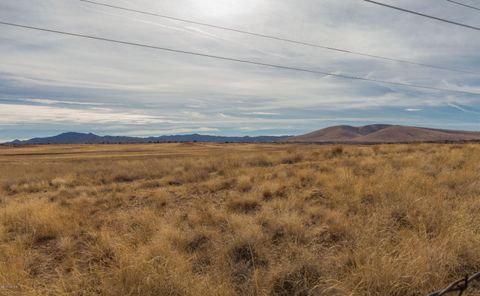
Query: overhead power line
463 4
350 77
424 15
280 38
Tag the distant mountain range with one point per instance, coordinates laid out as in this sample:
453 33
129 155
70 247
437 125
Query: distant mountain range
378 133
382 133
81 138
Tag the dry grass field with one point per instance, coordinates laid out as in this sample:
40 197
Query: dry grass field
227 219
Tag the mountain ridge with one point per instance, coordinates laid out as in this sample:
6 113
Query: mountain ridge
376 133
90 138
384 133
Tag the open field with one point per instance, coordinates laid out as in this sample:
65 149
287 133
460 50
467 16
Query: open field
231 219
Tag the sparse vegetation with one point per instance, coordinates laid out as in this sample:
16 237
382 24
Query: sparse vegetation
212 219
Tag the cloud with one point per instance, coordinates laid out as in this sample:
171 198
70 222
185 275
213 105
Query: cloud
115 85
261 113
18 114
54 102
250 128
161 132
463 109
193 114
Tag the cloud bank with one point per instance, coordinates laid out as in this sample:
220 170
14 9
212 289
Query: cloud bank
51 83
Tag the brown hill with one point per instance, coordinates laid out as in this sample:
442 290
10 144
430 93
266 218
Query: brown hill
381 133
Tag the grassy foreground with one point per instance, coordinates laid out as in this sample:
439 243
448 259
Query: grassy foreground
199 219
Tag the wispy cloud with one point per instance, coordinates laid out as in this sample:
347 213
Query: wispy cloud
261 113
161 132
18 114
463 109
251 128
54 102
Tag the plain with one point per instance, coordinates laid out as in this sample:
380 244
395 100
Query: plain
238 219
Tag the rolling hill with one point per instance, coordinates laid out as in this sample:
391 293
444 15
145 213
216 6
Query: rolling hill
381 133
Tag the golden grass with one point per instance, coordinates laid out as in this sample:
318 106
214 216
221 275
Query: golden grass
211 219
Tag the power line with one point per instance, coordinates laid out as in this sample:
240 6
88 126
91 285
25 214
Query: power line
280 38
424 15
463 4
237 60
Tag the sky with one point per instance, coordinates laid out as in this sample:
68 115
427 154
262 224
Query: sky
52 83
